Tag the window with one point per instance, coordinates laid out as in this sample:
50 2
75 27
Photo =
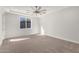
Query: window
28 23
22 22
25 22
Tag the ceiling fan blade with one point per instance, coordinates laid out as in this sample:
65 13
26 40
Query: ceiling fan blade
39 7
33 8
44 12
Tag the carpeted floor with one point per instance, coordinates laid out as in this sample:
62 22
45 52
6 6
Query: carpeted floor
38 44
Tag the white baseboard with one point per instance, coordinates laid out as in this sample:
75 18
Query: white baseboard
20 36
62 38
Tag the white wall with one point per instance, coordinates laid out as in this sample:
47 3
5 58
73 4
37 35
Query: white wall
63 24
12 26
1 34
1 24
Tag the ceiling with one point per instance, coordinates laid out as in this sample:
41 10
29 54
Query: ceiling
24 9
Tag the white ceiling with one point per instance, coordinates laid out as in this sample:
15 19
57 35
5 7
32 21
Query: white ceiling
24 9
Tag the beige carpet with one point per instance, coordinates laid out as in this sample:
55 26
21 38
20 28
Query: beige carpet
38 44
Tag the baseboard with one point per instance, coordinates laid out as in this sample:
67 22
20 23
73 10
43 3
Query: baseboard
21 36
62 38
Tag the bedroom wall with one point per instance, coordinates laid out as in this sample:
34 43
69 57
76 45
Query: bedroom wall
63 24
12 26
1 24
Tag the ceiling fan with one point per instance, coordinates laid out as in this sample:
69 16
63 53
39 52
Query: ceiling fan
37 10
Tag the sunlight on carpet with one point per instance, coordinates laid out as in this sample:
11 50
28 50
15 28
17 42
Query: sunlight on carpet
18 39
